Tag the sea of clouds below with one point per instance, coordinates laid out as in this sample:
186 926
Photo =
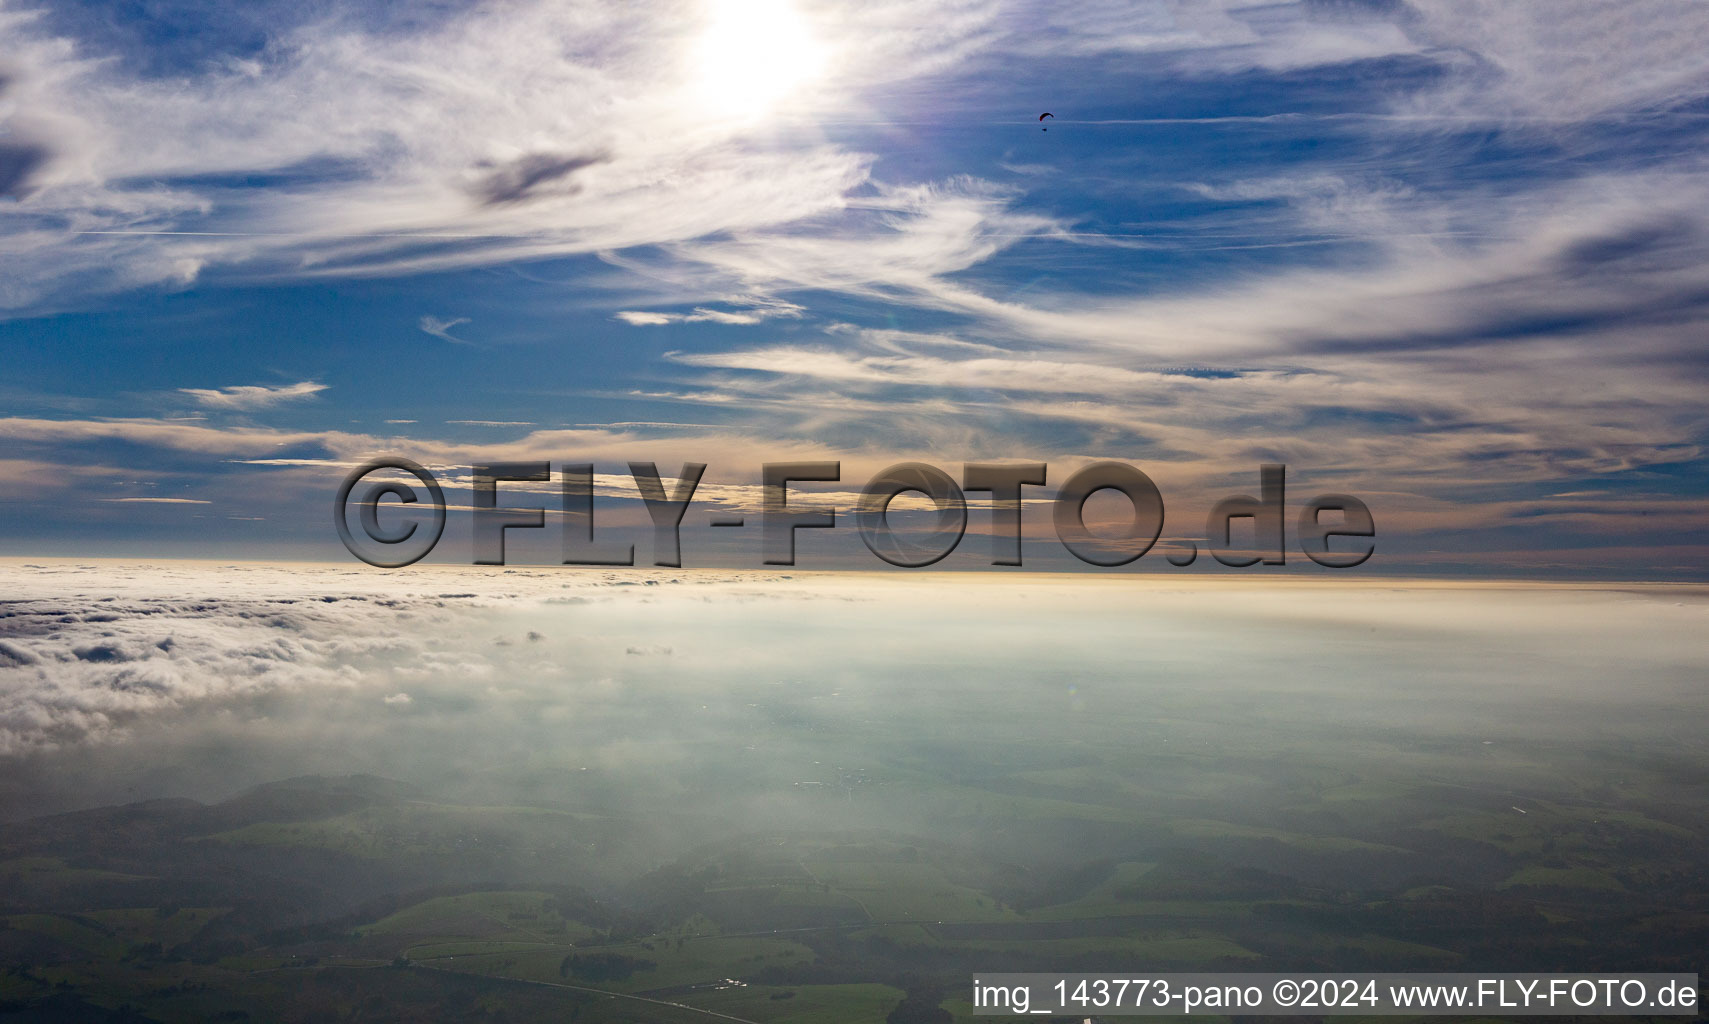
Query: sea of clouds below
108 667
86 648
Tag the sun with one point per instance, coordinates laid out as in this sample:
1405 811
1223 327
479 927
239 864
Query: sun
752 56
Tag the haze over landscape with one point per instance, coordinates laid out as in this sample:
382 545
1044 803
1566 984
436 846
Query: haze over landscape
826 796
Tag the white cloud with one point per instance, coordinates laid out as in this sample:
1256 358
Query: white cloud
441 328
93 649
507 133
641 318
1568 61
495 135
86 673
1471 316
899 242
748 311
161 501
101 653
252 396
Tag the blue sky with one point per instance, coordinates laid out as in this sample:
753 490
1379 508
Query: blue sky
1447 257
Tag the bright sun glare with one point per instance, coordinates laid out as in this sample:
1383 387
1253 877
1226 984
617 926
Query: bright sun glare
752 55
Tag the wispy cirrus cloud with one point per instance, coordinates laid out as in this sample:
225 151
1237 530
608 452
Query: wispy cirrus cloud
350 113
469 139
746 311
1456 244
561 145
253 396
160 501
441 328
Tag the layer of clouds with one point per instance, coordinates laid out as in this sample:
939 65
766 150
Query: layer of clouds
1201 432
88 649
456 671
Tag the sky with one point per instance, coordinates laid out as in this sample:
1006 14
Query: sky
1447 257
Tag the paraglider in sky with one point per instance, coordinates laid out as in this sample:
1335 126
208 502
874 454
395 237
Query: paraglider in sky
1044 115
